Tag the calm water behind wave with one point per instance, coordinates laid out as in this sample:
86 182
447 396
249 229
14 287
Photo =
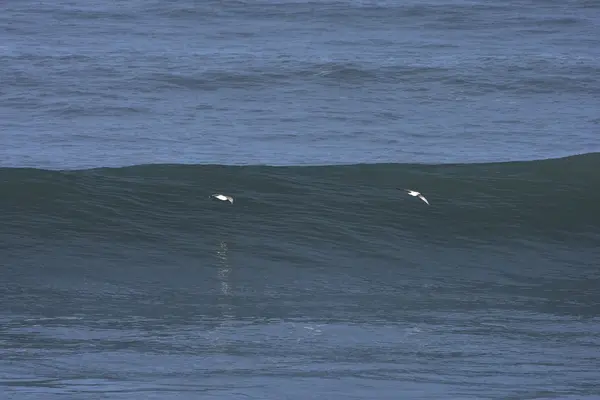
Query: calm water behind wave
319 281
92 84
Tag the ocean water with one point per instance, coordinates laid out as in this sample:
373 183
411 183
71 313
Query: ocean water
120 278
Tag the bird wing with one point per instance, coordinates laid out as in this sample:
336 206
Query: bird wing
423 198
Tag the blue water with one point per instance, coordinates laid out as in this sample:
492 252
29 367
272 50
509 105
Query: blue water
89 84
121 279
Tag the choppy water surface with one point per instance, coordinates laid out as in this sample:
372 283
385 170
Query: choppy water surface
96 84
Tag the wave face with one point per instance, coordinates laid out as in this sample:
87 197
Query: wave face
350 207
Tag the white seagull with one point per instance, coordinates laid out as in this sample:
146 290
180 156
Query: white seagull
222 197
417 194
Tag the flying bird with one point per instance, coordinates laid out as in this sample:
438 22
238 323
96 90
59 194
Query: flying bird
417 194
222 197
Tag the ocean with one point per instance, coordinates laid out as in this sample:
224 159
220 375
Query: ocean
121 278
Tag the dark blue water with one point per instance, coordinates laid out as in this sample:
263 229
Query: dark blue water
120 278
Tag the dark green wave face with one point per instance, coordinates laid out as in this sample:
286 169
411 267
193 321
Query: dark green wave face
358 207
142 258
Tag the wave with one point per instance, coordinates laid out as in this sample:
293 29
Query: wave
341 205
473 74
